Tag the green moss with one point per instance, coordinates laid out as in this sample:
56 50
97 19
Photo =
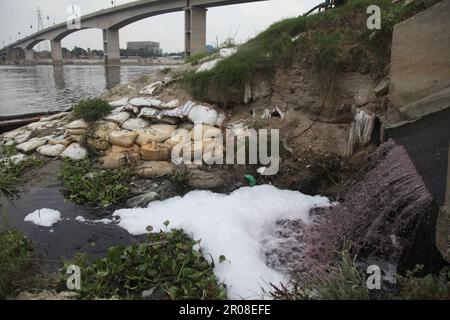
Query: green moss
166 265
91 110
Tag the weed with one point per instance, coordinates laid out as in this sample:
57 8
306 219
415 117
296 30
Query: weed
342 282
429 287
195 58
10 174
85 184
326 41
165 266
18 267
91 110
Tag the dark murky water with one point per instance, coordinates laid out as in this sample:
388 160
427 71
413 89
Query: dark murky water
68 237
32 89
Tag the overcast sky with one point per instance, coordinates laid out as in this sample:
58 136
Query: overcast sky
222 22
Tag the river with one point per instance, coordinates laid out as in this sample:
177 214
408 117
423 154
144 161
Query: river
43 88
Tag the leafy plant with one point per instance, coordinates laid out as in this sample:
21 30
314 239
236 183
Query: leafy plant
165 266
10 174
18 267
85 184
91 110
195 58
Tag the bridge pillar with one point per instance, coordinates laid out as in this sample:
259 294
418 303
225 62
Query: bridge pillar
29 55
57 56
111 47
195 30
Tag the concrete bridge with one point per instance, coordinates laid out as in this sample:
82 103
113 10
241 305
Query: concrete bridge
113 19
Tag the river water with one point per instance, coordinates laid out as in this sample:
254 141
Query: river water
43 88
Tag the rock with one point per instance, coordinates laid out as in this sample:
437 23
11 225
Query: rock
155 133
142 201
113 161
74 152
31 145
152 88
135 124
208 65
155 152
118 118
23 137
204 115
145 102
152 169
51 150
123 138
201 132
382 88
119 103
77 124
202 180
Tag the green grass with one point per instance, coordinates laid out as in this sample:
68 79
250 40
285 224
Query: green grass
195 58
18 267
10 175
165 264
329 41
84 183
91 110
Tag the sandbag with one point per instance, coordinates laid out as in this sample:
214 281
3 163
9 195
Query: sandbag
77 124
31 145
51 150
200 132
135 124
155 169
74 152
118 118
123 138
204 115
155 133
155 152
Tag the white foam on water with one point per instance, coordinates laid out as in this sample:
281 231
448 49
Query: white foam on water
235 225
44 217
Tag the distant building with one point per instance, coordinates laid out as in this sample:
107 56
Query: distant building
150 46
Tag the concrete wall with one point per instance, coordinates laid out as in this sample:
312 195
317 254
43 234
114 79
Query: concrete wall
420 62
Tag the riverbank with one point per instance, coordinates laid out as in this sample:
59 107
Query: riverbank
341 201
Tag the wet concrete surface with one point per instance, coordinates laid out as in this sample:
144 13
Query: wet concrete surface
427 142
69 236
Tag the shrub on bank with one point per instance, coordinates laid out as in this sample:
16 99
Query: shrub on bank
164 267
91 110
330 41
